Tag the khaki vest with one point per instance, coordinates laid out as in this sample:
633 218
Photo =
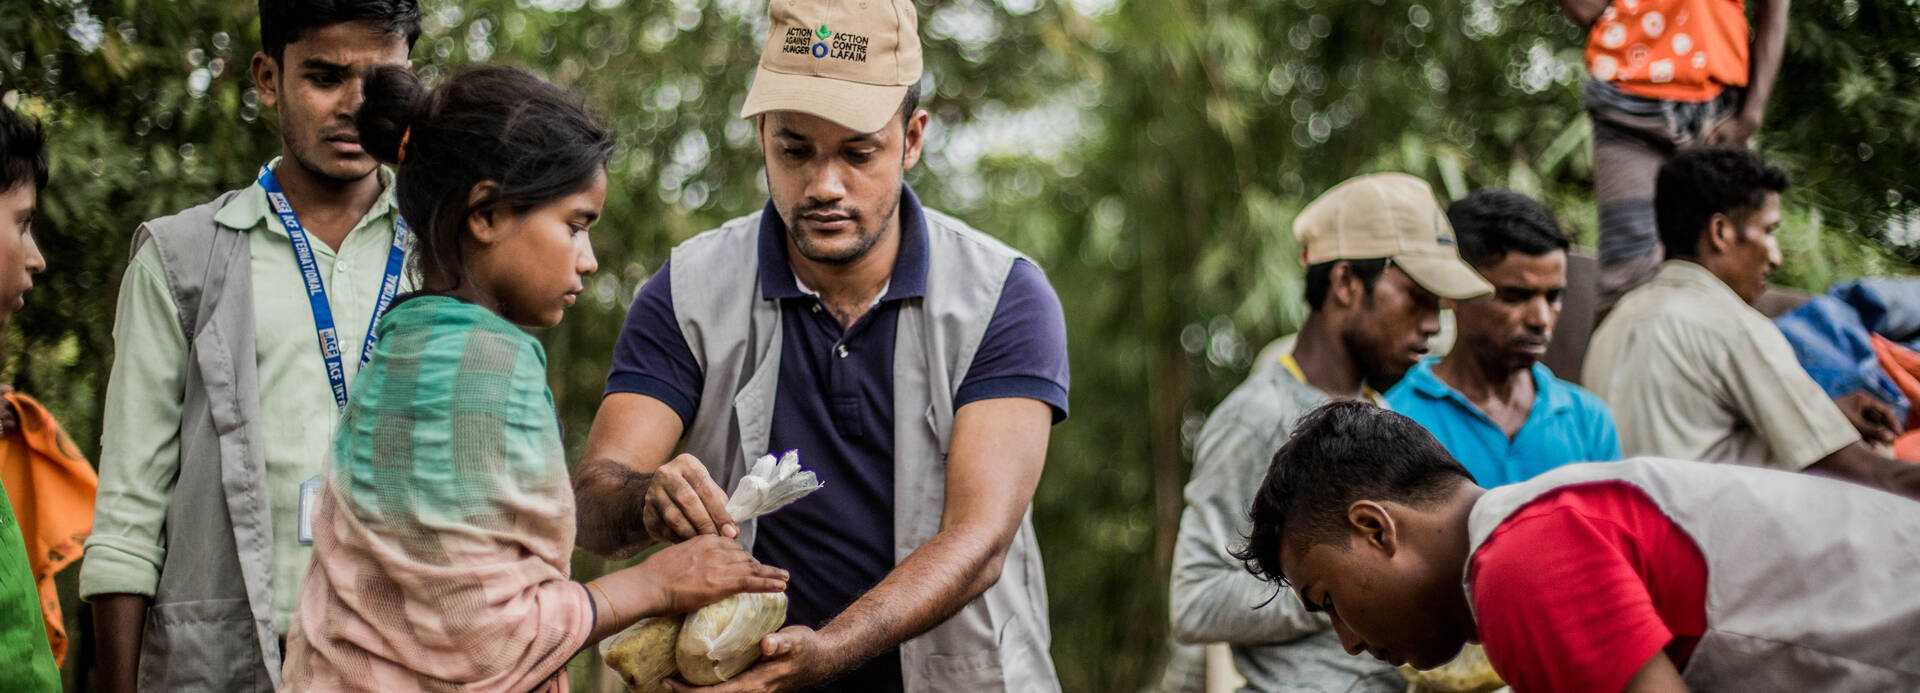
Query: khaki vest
998 641
1811 582
210 627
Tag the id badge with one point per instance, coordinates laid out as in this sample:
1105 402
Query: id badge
309 497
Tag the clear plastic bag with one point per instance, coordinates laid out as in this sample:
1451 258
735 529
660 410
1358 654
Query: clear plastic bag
723 639
643 654
719 641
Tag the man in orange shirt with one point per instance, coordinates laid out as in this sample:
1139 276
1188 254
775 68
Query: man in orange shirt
1666 75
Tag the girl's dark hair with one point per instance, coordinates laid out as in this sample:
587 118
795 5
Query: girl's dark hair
534 141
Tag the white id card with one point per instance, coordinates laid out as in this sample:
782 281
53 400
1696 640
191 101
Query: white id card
309 496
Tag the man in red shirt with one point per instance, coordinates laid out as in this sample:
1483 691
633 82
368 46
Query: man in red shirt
1591 577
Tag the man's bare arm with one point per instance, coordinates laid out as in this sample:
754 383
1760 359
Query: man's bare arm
632 436
999 447
1860 465
1769 44
1763 65
119 622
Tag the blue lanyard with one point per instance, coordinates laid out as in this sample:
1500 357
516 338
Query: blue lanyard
317 292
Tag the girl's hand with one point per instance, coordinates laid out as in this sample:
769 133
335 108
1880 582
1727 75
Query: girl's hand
695 573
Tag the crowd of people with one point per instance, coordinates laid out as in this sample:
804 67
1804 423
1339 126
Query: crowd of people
1354 496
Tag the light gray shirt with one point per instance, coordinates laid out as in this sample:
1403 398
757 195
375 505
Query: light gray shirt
1693 372
1279 646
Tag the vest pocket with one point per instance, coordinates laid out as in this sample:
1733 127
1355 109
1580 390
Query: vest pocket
980 671
208 645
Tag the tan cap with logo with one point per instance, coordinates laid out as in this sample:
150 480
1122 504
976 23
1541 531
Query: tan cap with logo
849 61
1390 215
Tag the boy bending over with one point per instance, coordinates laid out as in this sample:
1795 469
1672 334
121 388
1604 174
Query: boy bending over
1644 575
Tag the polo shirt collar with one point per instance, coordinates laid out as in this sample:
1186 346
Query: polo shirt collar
909 278
1548 391
249 209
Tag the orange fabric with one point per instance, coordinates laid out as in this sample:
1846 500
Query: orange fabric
51 488
1903 366
1673 50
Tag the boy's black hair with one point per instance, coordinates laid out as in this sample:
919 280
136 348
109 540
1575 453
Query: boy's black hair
1698 183
23 152
1492 222
532 139
1340 453
1320 277
285 21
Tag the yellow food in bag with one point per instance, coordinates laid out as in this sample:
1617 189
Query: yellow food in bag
643 654
723 639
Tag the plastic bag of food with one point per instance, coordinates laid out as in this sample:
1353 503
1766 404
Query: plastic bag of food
723 639
1469 672
643 654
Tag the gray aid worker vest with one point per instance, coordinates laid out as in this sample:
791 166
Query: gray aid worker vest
210 627
1810 581
999 640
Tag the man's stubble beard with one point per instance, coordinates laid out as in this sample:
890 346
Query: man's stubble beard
866 238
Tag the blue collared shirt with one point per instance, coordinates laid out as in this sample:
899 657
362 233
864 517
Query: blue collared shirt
834 404
1567 424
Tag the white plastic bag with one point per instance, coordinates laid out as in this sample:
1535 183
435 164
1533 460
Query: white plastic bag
770 486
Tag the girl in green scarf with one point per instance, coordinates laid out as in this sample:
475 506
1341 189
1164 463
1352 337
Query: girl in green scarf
446 521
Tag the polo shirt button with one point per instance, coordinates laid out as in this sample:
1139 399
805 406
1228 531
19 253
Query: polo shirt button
840 351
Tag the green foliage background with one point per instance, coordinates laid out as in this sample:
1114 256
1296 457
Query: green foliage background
1150 154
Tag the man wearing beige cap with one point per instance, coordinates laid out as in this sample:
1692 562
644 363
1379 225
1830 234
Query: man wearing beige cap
916 364
1380 256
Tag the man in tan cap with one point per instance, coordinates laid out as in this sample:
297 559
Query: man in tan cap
1380 256
916 364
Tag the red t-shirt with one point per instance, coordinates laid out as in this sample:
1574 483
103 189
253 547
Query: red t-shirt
1580 587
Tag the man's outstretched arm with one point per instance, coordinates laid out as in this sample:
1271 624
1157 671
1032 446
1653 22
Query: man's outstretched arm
999 447
628 493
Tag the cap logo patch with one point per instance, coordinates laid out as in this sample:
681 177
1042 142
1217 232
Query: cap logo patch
823 43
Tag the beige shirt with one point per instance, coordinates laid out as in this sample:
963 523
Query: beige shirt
1692 371
140 438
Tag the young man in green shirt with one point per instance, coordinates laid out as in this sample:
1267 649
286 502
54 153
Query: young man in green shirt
239 325
27 664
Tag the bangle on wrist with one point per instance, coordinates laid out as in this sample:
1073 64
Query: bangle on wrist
592 586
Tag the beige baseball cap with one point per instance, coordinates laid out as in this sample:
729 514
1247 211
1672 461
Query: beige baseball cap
849 61
1388 215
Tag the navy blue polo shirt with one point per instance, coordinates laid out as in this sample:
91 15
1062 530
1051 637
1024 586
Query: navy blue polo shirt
834 404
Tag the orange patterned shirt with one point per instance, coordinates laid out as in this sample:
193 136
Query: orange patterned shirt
1674 50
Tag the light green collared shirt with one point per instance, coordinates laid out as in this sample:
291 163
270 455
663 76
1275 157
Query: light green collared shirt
140 441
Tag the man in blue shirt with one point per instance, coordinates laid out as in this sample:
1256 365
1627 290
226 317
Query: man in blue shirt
1489 400
915 363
